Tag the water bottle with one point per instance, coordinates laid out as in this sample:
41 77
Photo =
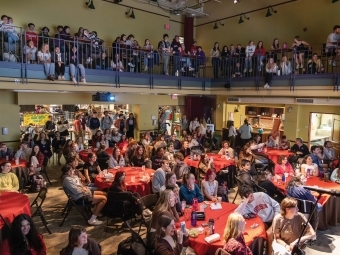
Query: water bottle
308 173
193 218
211 225
283 178
176 74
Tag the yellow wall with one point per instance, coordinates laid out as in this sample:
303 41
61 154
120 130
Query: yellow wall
109 20
317 16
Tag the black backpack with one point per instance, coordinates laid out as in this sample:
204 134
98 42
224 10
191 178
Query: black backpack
124 247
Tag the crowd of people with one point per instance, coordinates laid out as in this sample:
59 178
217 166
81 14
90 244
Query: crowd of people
86 49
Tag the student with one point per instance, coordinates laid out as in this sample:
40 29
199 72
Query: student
190 190
158 180
244 174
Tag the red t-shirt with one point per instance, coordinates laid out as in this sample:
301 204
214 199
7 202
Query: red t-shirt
30 35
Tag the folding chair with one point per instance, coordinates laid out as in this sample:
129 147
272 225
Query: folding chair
44 169
119 205
139 245
239 184
83 206
149 202
39 212
305 207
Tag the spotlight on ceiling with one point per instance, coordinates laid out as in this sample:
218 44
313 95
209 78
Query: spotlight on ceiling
90 4
268 11
215 27
237 1
241 18
132 15
334 1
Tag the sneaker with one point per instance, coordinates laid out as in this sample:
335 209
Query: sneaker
261 64
74 80
250 70
146 68
191 69
297 66
131 65
167 74
95 222
83 80
244 70
265 85
301 67
59 77
334 63
63 77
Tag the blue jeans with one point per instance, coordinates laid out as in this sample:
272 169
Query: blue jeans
49 69
248 60
259 61
12 39
73 70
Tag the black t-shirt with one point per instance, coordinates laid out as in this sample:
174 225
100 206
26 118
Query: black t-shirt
91 168
156 162
304 149
137 161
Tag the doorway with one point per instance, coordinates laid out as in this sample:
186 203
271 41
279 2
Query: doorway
323 127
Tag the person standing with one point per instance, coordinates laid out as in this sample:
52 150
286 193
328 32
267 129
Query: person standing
164 49
120 124
49 127
130 126
78 129
94 123
106 122
184 123
232 134
245 131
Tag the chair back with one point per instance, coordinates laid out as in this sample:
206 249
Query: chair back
103 163
240 182
150 201
42 196
220 251
135 236
260 189
304 206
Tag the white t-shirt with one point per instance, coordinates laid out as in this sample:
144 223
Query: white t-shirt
313 168
44 56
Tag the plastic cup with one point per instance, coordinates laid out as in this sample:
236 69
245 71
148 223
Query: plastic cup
286 175
202 208
105 171
143 168
219 199
184 204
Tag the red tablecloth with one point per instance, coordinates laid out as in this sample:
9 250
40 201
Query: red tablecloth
329 215
220 217
219 162
20 169
273 154
137 186
83 155
13 204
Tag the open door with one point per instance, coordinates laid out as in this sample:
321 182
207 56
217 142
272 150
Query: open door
336 129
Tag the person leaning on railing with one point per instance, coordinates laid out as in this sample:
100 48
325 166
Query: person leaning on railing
75 62
215 54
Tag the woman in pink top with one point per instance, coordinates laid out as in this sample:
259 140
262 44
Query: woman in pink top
283 166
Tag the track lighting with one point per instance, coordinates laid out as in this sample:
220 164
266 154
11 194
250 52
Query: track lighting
215 27
269 13
334 1
132 15
90 4
241 18
237 1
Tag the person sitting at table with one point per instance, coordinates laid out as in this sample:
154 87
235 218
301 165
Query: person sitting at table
116 159
287 227
80 144
316 158
158 180
307 163
285 144
8 180
170 180
177 144
247 153
102 141
168 240
35 160
192 142
73 162
190 190
257 139
160 142
300 149
265 182
130 151
24 151
95 138
335 176
91 168
58 145
72 152
116 136
283 166
79 192
233 235
295 189
23 238
101 153
271 143
244 175
328 152
67 147
122 143
255 147
5 151
204 164
169 154
164 206
185 150
259 204
79 243
180 168
226 151
158 158
44 145
210 186
138 159
118 185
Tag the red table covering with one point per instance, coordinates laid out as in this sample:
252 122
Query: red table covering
137 186
329 215
83 155
13 204
273 154
219 162
220 216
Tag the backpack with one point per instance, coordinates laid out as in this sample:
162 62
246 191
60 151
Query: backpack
37 182
124 247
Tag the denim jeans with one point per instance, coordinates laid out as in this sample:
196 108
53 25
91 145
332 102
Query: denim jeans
12 39
259 61
216 64
248 60
49 69
80 67
165 58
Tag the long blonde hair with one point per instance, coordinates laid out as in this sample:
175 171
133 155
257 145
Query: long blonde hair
163 201
232 227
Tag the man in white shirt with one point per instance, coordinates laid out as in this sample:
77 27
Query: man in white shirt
331 39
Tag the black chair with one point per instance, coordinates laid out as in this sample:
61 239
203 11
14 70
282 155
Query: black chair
239 184
306 207
103 163
44 169
39 212
83 206
139 244
119 205
149 201
5 230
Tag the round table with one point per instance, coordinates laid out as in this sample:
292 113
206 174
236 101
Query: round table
201 247
83 155
20 169
329 215
273 154
219 162
143 188
13 204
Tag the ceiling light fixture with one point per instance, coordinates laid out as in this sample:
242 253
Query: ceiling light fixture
268 11
132 15
237 1
334 1
90 4
241 18
215 27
